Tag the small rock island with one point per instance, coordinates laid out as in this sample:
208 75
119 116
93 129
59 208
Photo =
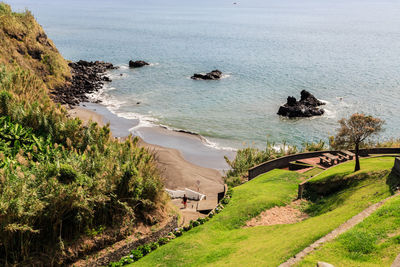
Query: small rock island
213 75
137 64
308 106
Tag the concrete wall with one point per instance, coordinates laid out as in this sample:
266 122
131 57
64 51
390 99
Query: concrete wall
190 194
284 161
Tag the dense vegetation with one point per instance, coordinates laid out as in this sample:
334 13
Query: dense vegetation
59 179
223 242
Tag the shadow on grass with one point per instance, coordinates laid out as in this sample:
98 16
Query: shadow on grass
393 181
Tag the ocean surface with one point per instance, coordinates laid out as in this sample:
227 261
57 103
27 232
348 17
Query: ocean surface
345 52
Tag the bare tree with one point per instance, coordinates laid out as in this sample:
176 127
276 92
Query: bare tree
355 131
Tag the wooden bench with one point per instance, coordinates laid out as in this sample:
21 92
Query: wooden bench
342 158
324 161
331 157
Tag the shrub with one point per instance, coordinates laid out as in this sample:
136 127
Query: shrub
67 174
154 246
145 249
163 241
225 200
136 255
126 260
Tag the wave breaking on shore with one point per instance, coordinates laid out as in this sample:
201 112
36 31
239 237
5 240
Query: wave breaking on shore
113 104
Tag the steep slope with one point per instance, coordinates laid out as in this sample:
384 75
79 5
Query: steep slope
24 43
65 189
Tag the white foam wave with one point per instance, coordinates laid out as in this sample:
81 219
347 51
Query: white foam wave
203 139
218 147
123 67
113 105
224 76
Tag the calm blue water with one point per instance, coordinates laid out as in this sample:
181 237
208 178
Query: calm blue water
346 52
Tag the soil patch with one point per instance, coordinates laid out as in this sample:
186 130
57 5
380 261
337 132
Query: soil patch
280 215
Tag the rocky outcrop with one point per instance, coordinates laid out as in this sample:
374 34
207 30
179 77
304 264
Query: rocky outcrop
137 64
87 77
213 75
308 106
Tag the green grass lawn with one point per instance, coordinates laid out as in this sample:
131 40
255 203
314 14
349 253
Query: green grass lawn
314 171
222 241
373 242
367 165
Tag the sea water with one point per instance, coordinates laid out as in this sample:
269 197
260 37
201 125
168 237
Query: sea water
345 52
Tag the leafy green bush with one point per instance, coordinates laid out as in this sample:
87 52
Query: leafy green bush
163 241
145 249
136 254
154 246
62 177
250 157
225 200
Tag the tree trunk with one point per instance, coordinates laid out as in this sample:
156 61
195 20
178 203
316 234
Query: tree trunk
357 167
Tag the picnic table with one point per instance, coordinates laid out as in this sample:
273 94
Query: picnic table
330 156
348 153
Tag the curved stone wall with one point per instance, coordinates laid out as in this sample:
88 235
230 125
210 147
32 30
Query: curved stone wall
284 161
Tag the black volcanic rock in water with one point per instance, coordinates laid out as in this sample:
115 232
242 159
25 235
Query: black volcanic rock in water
87 77
308 106
137 64
309 100
213 75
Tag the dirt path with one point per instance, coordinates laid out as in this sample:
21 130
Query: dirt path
338 231
396 262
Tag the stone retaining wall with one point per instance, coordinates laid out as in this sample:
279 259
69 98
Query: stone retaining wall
396 167
116 255
284 161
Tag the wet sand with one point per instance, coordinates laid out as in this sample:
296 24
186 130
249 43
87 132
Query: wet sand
191 146
183 159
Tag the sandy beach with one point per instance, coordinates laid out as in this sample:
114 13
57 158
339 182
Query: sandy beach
183 159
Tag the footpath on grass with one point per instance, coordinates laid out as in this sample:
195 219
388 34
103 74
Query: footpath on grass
338 231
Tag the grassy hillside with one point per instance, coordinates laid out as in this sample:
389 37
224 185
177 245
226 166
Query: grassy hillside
24 43
347 168
223 241
61 183
374 242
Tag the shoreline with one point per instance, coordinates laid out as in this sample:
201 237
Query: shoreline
193 147
183 160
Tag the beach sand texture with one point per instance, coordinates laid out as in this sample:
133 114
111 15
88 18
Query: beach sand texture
177 172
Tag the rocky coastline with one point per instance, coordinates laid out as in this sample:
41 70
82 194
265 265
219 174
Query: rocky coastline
87 77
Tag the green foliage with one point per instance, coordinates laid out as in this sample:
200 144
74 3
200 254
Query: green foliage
145 249
311 146
23 43
59 178
163 241
154 246
4 9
